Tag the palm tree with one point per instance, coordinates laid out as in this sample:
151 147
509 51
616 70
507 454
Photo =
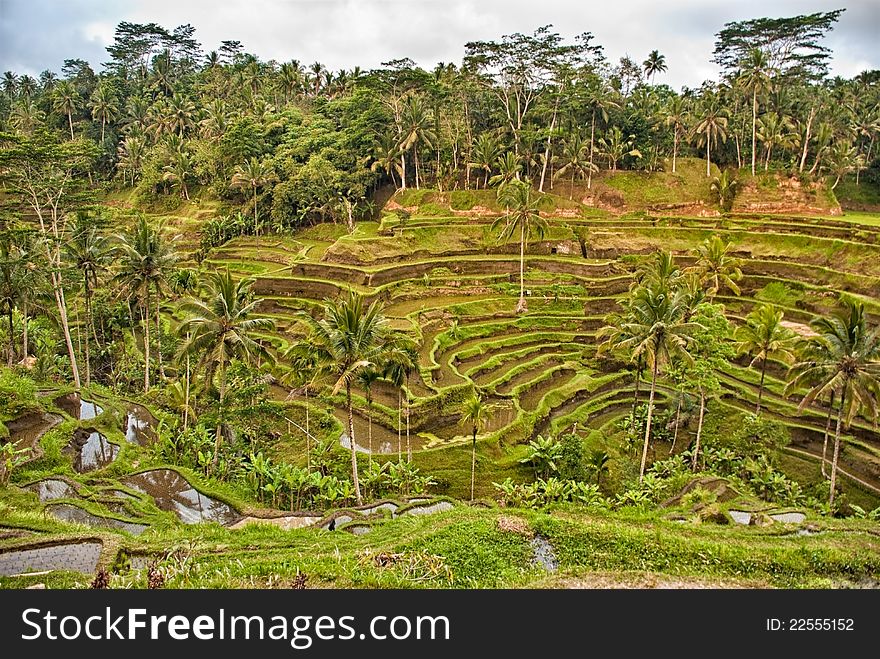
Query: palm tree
474 413
10 82
657 331
400 361
724 189
765 337
253 174
386 153
601 99
774 130
350 337
220 328
754 76
522 216
658 270
144 259
132 153
844 359
842 159
418 120
716 267
656 63
89 252
711 127
508 166
615 146
66 100
486 151
104 106
576 158
10 289
677 116
178 171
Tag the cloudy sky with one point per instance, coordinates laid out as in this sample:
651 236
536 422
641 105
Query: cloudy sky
40 34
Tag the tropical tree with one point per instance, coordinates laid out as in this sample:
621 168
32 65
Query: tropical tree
843 358
474 413
656 63
66 100
724 189
485 152
716 267
711 127
178 171
601 99
418 121
842 158
219 328
754 77
253 174
144 259
522 217
656 330
90 253
508 166
366 378
615 147
764 337
774 131
677 117
350 337
576 159
104 106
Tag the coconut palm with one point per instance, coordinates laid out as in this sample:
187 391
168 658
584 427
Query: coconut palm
104 106
386 152
522 217
724 189
254 174
764 337
418 131
658 270
219 328
845 359
677 117
486 151
615 146
774 130
576 159
601 99
754 77
89 252
350 337
65 99
716 267
656 63
178 171
401 361
473 413
711 127
842 158
144 259
655 329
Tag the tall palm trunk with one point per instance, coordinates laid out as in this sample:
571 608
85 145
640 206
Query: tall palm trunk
58 291
547 152
416 161
256 223
186 390
674 147
639 367
408 445
159 334
761 386
677 421
11 355
807 142
403 171
708 160
648 423
24 330
521 305
592 136
399 435
147 340
836 451
218 436
354 463
370 425
827 432
473 461
699 428
754 125
70 123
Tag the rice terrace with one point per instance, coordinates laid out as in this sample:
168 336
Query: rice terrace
532 319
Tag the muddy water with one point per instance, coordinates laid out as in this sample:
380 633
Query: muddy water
90 450
140 425
74 557
439 507
543 554
384 439
172 492
78 408
51 489
25 432
69 513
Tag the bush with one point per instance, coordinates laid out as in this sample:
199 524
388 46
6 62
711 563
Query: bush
462 200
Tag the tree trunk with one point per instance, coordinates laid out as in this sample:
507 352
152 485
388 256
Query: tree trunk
11 356
677 421
103 123
674 148
804 156
147 340
256 221
521 305
399 436
638 381
159 334
648 423
65 326
70 123
827 432
699 429
370 426
761 386
416 161
473 461
403 171
592 135
836 452
708 160
186 390
218 435
754 125
408 446
546 156
354 464
24 331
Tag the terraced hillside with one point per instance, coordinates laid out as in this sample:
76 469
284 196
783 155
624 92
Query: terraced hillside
446 280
